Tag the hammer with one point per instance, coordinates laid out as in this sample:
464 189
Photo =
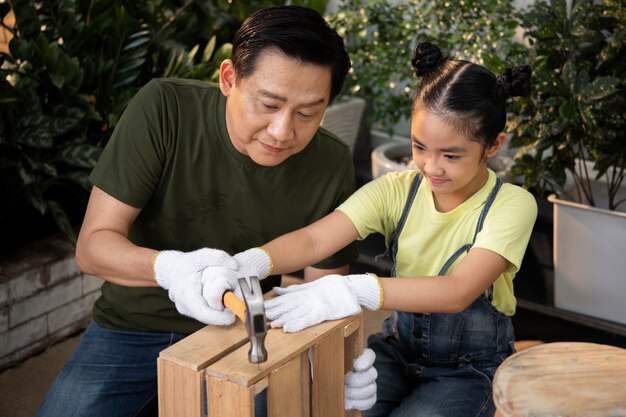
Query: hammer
252 312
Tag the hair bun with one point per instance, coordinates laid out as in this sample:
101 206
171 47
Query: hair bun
426 58
513 82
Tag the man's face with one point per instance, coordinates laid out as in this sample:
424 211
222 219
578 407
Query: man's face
274 112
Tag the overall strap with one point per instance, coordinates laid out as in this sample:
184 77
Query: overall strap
392 247
479 225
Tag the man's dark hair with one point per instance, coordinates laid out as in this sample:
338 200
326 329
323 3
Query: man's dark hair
299 33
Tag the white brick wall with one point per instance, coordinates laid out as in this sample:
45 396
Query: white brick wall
44 298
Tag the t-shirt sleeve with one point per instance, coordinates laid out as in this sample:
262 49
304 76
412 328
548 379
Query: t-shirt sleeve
373 208
130 166
508 226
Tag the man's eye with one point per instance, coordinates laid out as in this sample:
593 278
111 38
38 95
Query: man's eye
269 106
452 157
305 115
418 147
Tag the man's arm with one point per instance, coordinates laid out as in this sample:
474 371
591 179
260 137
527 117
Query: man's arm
103 248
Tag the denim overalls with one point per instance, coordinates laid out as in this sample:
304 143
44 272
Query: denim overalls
440 364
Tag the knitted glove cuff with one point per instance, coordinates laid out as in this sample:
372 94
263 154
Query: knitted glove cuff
163 265
258 259
368 290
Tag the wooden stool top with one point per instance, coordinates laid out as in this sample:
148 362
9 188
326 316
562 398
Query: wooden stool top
562 379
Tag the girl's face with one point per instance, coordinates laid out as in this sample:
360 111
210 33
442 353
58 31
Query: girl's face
454 165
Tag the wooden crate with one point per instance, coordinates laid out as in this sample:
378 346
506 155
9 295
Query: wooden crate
212 366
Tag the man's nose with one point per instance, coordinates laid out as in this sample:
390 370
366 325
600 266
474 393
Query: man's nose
281 127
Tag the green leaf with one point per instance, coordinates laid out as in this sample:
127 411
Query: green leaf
35 196
62 220
567 110
208 49
601 88
21 49
37 137
81 155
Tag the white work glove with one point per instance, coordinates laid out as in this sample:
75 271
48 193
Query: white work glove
329 298
253 262
360 385
181 274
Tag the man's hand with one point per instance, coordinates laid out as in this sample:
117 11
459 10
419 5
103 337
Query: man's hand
360 384
181 274
254 262
329 298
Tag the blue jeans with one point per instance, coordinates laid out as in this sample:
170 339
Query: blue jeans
112 373
440 365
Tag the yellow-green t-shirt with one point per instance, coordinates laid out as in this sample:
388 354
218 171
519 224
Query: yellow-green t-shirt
430 237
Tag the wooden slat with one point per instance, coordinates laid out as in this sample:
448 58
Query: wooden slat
281 348
180 386
328 366
288 389
180 391
566 379
226 398
205 346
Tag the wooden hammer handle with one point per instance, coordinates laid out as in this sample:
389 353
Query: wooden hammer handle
234 304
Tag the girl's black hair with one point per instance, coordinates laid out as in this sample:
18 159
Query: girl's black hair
299 33
468 96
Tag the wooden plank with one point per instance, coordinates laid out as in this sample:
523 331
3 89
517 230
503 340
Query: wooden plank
288 391
205 346
353 347
566 378
281 347
180 391
179 368
327 392
226 398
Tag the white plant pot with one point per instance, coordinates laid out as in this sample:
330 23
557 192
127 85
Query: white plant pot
385 158
589 260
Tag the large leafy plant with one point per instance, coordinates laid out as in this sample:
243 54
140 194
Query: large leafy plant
577 106
381 35
72 67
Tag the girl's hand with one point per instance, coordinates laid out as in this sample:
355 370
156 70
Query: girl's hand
329 298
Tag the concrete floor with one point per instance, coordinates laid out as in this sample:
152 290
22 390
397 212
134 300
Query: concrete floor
22 388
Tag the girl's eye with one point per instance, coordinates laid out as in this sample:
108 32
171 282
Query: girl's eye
418 147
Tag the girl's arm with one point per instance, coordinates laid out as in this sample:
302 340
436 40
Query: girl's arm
311 244
445 294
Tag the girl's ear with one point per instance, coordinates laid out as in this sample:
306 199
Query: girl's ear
227 76
497 144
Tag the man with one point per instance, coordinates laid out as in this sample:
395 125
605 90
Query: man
192 173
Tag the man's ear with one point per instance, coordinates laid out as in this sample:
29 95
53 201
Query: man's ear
227 77
497 144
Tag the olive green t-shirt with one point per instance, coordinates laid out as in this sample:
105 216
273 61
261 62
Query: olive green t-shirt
171 156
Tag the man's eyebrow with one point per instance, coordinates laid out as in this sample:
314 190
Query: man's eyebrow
452 149
275 96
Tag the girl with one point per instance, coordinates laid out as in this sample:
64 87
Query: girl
456 236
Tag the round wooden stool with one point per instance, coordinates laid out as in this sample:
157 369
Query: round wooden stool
562 379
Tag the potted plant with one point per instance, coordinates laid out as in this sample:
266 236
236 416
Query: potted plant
570 132
380 38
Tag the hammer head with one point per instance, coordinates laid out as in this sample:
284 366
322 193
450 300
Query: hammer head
255 318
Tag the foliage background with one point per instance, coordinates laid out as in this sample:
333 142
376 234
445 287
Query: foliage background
72 67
